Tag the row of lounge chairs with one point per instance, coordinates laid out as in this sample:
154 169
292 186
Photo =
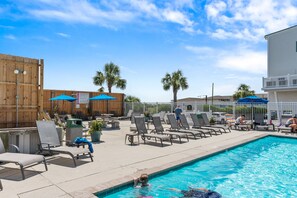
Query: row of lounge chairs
200 129
49 143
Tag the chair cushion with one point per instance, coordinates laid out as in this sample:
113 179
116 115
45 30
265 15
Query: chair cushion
21 158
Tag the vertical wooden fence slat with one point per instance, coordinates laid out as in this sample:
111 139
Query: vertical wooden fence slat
26 91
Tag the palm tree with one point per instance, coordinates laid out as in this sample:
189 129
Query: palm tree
243 91
111 77
177 81
131 99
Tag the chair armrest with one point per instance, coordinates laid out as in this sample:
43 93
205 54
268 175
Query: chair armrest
16 147
47 144
153 131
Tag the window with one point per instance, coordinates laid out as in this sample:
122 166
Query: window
282 83
189 108
270 84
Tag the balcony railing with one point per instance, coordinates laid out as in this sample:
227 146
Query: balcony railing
280 82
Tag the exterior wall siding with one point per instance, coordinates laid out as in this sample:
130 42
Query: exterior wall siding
282 55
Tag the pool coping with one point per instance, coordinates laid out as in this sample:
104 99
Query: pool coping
128 180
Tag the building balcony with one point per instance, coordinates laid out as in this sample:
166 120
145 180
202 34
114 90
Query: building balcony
276 83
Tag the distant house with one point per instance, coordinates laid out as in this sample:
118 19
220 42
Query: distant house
190 103
281 80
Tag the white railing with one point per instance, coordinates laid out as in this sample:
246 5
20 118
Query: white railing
280 82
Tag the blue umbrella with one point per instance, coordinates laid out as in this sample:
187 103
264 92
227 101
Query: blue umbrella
252 100
102 97
64 97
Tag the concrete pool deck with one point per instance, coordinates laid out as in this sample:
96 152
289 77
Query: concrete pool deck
114 163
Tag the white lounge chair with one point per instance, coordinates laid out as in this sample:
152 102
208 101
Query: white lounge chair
21 159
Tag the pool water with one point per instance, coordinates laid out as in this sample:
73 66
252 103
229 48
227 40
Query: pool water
263 168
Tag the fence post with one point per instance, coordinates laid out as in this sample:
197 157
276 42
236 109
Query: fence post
234 108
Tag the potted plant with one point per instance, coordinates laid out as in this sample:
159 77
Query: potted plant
96 130
147 116
212 121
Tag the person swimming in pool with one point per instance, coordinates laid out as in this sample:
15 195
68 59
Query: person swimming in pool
198 193
142 180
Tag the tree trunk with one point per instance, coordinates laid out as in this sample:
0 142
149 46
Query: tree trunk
174 97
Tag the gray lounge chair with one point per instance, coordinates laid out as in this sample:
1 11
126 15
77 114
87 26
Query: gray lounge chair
142 131
198 125
21 159
50 142
159 129
175 127
128 116
186 125
207 124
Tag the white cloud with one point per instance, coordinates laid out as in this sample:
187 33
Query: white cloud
201 51
250 19
215 8
177 17
183 3
79 11
238 59
113 13
225 89
10 37
63 35
244 60
42 38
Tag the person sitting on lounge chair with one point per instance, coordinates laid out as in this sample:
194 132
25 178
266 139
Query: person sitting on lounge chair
292 122
142 180
240 120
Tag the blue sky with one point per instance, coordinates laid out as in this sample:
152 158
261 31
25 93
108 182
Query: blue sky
211 41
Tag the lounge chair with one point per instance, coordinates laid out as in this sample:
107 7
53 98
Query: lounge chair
21 159
198 125
142 131
159 129
175 127
207 124
185 125
50 142
284 129
128 116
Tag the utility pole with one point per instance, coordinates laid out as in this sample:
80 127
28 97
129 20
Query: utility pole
212 90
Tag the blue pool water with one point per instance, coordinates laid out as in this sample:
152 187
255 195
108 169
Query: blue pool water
264 168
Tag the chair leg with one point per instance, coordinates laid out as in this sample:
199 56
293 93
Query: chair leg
90 154
22 170
179 139
44 161
73 158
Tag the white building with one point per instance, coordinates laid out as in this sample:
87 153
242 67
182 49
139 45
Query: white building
281 80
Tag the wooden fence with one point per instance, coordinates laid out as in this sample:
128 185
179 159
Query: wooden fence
22 96
21 85
82 107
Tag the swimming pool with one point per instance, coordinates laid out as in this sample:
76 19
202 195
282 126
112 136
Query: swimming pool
262 168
